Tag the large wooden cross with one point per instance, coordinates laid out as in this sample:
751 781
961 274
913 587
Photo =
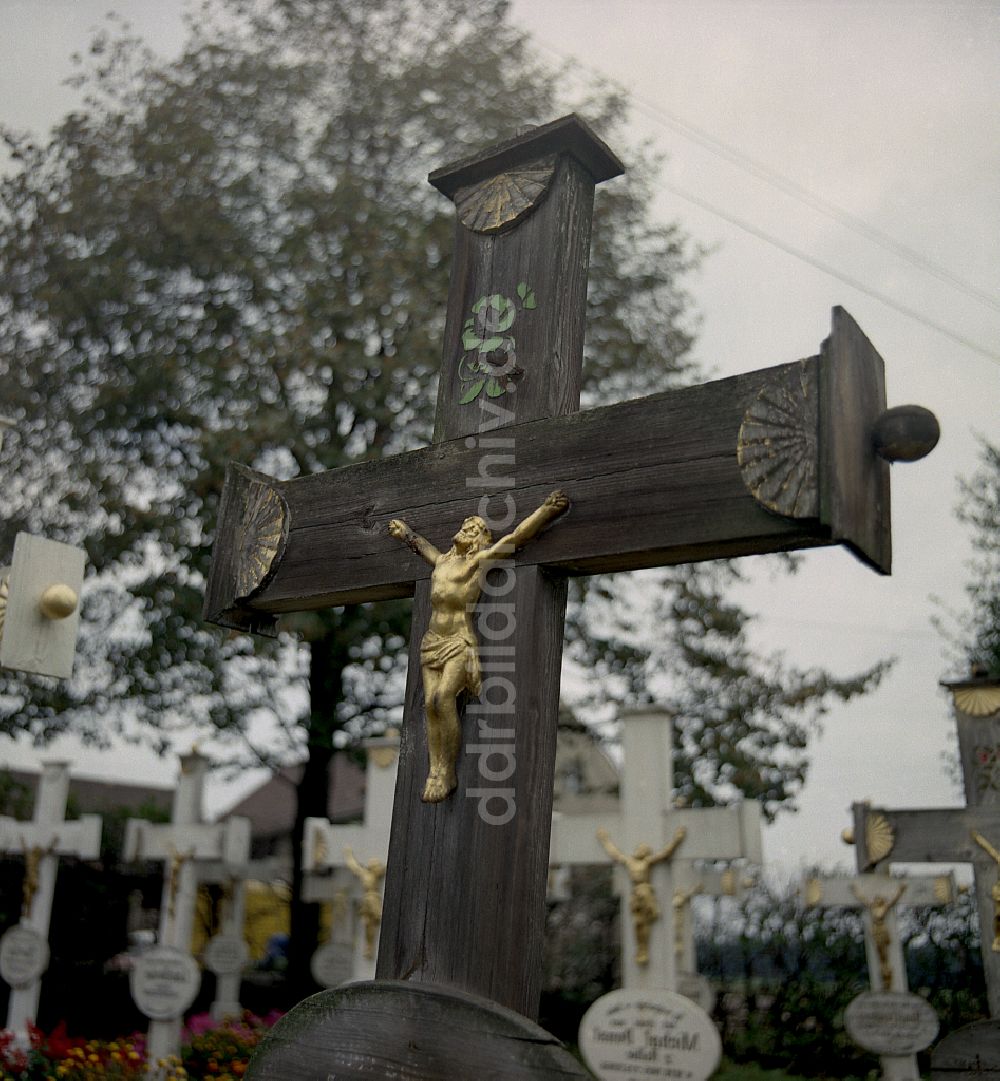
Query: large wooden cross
768 461
969 834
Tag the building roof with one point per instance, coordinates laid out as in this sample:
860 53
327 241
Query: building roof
87 795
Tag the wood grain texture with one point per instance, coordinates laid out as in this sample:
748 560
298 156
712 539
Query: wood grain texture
930 836
549 337
652 481
387 1029
972 1051
854 481
465 896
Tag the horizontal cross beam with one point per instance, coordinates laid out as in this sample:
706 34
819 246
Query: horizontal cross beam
836 891
711 833
227 841
767 461
943 835
79 837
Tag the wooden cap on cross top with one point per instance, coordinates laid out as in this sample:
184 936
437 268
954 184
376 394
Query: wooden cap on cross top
567 135
513 340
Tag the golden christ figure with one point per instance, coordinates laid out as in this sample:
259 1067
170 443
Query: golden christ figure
449 652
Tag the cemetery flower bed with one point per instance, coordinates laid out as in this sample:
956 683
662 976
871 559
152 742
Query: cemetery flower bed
210 1050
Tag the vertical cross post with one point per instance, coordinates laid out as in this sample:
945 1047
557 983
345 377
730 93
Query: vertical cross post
181 846
976 706
465 892
42 842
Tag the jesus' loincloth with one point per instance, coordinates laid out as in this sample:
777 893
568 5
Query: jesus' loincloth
436 650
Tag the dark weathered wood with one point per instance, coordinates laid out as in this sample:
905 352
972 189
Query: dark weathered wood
678 477
854 483
970 1052
976 704
385 1029
926 836
666 464
469 910
549 337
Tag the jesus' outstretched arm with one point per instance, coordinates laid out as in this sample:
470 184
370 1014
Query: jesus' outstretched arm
421 545
555 504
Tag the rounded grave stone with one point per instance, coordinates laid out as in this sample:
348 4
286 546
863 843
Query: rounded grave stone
24 956
333 964
891 1022
652 1035
164 982
972 1051
226 954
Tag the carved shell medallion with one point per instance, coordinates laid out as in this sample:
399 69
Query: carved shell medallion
263 529
977 701
776 449
501 200
880 838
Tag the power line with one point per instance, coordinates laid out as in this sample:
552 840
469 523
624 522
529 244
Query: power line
790 186
854 283
802 193
816 202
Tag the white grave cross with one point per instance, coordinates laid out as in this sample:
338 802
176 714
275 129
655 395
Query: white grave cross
356 845
880 896
24 950
647 817
165 980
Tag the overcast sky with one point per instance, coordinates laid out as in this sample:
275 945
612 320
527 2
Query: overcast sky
883 113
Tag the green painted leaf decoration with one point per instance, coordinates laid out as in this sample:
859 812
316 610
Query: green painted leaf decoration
522 289
496 313
493 388
473 391
529 300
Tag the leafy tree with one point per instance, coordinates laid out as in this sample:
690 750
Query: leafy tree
742 722
235 255
980 509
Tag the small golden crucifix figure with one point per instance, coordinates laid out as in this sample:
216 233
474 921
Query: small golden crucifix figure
642 904
879 907
32 861
177 861
449 652
995 891
370 876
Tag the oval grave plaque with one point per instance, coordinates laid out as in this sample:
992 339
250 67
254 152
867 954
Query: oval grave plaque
649 1034
225 955
24 955
164 982
891 1022
333 964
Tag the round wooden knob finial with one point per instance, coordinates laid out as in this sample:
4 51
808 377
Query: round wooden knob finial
58 601
906 433
847 836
